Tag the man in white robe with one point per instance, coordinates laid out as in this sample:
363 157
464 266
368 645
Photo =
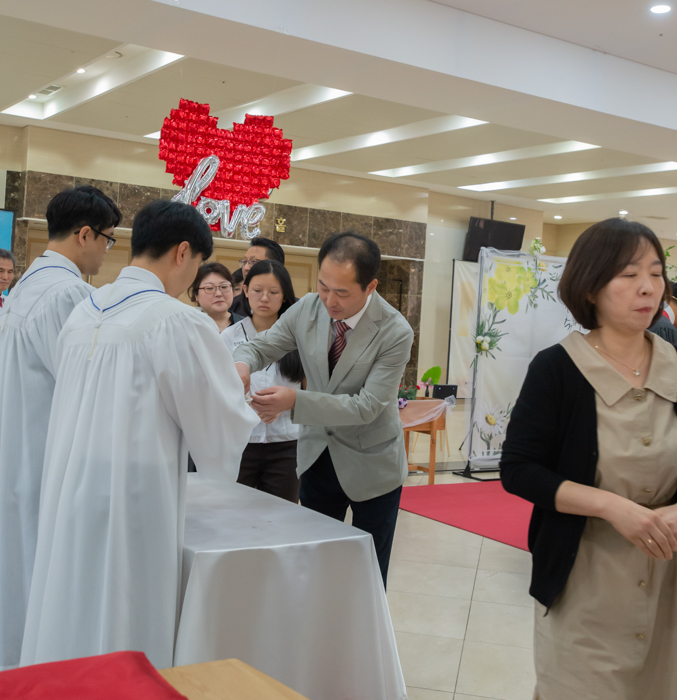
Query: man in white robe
142 378
80 222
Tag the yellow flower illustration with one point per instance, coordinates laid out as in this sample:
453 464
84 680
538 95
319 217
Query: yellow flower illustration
526 279
505 290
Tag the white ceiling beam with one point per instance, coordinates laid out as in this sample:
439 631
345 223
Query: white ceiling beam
428 127
117 77
654 192
573 177
282 102
549 149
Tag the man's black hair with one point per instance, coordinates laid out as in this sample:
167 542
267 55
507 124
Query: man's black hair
273 250
162 224
80 206
362 252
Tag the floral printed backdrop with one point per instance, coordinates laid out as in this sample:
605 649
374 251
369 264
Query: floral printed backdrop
520 314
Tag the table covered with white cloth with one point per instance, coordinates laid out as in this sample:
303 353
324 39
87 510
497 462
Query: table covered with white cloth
293 593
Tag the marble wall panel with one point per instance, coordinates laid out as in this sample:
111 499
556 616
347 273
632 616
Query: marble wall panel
15 192
413 311
410 376
321 225
413 239
357 223
110 189
267 224
40 188
20 247
296 225
413 360
415 277
167 193
399 270
132 198
387 233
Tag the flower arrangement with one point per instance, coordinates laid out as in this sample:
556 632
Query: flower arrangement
537 247
487 336
406 394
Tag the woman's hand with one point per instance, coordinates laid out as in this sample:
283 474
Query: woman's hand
669 516
645 528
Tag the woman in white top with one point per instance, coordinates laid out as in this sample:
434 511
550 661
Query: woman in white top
269 460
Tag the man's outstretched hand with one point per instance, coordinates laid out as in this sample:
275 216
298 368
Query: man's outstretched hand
243 371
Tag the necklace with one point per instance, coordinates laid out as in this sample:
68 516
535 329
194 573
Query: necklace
634 370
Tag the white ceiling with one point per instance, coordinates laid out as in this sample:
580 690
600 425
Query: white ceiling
624 28
35 55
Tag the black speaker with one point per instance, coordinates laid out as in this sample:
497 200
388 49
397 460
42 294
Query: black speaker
489 233
442 391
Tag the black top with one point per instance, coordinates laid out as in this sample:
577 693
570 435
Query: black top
551 438
664 329
237 307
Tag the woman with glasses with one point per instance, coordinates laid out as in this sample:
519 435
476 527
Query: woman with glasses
212 290
269 460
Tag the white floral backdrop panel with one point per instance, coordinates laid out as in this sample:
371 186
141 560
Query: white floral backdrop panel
462 332
520 315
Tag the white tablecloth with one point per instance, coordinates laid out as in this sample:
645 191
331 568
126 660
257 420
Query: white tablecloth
291 592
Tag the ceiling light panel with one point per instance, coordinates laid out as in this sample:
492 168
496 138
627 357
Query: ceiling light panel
407 132
487 159
654 192
573 177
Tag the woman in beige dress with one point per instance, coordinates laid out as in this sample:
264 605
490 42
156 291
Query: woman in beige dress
592 443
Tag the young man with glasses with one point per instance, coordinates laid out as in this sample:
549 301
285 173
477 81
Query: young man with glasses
259 249
80 222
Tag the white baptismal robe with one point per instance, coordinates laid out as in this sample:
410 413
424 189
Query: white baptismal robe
142 378
30 323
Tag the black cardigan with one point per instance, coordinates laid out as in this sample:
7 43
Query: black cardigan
551 438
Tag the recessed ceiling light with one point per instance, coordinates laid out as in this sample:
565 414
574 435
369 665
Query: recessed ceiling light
80 70
557 217
660 9
622 212
513 218
32 97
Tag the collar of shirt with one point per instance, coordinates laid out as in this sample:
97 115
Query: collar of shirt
354 320
139 274
61 260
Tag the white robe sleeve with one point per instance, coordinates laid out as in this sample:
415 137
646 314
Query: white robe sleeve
203 393
48 323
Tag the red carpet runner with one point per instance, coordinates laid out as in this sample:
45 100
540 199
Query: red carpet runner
485 509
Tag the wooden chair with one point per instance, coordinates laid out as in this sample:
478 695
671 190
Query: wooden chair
430 428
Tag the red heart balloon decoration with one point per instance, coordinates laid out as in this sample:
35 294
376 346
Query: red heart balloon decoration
254 156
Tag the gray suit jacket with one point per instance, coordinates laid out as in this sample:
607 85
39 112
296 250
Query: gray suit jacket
354 413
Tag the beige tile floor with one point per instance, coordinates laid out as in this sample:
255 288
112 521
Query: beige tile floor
459 603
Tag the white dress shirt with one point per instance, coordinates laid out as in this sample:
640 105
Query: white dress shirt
281 429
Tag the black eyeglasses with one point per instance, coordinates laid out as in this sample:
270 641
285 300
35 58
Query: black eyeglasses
111 241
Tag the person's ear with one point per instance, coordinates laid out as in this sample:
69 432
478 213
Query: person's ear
183 251
372 286
84 232
245 290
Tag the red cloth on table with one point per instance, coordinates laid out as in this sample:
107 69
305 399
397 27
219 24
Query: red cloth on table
124 675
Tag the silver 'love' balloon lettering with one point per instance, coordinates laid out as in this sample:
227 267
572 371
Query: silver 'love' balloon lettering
214 210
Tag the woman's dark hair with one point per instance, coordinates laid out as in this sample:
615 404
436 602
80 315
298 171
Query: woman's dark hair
362 252
600 253
215 268
162 224
290 365
237 276
80 206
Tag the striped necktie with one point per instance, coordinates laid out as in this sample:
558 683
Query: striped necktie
339 344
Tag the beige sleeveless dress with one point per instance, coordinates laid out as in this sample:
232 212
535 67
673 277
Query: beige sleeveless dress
612 633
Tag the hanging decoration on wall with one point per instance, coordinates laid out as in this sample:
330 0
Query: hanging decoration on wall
224 173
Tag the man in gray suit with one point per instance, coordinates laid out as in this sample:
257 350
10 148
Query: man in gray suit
354 347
